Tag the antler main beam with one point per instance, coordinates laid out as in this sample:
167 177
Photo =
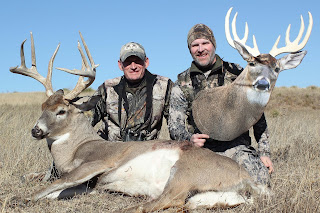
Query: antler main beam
253 50
293 46
89 71
86 71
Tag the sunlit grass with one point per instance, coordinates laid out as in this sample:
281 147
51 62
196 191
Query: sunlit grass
293 116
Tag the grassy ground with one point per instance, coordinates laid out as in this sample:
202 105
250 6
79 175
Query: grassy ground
293 116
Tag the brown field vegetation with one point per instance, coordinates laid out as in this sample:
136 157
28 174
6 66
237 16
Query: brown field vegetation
293 116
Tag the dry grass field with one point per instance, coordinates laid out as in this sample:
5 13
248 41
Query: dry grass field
293 116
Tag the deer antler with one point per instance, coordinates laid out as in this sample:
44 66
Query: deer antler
293 46
254 51
32 72
86 71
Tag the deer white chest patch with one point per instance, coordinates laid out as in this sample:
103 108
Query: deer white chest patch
146 174
258 97
61 139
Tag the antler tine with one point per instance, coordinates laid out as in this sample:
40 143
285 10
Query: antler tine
88 52
32 72
293 46
254 51
86 71
234 30
89 72
227 28
23 62
80 86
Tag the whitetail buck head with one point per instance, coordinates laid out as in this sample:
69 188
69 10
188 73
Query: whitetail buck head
57 110
235 108
263 69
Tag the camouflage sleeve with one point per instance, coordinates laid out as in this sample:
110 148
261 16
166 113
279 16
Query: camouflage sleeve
261 135
167 100
233 68
177 115
99 111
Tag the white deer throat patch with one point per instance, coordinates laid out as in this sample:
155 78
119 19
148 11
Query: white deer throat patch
258 97
147 174
61 138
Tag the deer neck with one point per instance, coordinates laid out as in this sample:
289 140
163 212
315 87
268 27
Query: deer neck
226 112
63 147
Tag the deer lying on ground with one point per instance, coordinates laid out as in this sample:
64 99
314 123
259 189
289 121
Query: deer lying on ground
236 107
166 171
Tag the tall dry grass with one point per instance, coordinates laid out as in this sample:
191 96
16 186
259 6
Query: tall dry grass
293 116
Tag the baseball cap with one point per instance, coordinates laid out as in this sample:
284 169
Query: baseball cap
132 48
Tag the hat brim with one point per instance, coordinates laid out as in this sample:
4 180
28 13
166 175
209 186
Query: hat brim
132 53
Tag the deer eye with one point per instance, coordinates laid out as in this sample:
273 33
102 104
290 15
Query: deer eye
252 64
61 112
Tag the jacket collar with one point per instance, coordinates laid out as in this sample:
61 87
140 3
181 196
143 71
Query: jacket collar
216 67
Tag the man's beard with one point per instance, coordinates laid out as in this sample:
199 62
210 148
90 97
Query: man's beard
204 64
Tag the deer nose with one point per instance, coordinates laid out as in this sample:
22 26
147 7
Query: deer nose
262 84
37 132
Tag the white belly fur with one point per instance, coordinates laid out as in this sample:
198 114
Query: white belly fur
146 174
216 199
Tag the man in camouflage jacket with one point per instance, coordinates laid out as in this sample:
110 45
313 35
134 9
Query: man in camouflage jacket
208 70
132 106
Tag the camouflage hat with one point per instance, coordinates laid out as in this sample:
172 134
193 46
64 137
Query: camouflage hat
132 48
201 31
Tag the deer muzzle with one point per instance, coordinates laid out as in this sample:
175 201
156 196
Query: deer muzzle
262 84
37 133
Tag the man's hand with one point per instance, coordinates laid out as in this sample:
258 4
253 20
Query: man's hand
199 139
268 163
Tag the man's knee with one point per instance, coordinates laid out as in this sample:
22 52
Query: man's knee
250 160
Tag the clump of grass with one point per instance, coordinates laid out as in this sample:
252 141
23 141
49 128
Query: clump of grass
89 89
275 113
312 87
294 97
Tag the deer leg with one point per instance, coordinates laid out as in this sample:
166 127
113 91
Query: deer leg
79 175
84 188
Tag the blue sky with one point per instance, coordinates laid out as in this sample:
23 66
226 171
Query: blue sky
160 26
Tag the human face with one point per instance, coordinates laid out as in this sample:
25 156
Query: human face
133 68
203 52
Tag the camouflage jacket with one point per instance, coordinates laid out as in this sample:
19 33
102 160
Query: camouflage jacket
141 110
188 84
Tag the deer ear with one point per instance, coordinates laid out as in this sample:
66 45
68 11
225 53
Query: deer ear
60 92
242 50
291 60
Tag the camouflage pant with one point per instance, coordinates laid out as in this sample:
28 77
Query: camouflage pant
249 159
